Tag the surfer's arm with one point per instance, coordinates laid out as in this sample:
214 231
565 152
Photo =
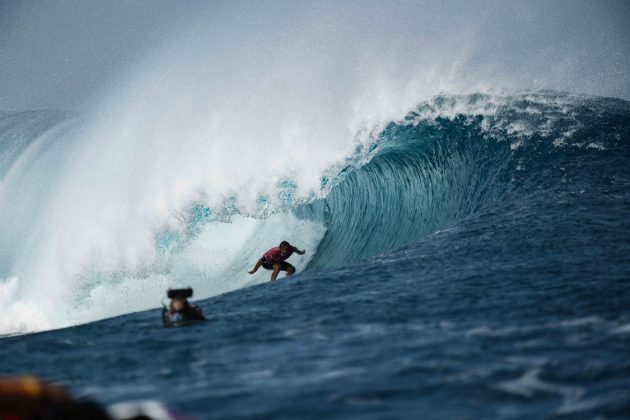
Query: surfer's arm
297 251
257 266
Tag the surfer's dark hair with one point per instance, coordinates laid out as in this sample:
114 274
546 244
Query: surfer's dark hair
284 243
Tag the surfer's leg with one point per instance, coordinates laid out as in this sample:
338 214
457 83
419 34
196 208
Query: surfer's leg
290 269
276 270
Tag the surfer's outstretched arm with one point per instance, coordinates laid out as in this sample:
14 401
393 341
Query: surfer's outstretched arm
257 266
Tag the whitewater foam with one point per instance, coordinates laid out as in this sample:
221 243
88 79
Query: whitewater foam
214 262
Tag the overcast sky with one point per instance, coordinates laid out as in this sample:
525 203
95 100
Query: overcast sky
65 53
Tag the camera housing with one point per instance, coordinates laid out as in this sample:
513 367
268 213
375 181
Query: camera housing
185 293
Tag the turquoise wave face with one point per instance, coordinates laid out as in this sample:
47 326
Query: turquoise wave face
455 157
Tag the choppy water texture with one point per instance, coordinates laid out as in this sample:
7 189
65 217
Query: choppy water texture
475 265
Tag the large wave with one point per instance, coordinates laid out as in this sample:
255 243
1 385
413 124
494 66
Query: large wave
456 156
85 235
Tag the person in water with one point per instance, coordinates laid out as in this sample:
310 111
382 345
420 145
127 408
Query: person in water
180 309
274 259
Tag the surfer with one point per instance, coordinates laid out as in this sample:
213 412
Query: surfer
274 259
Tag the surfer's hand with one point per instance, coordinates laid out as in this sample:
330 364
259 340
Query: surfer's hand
302 252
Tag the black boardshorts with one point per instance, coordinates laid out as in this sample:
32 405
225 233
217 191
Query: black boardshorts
269 265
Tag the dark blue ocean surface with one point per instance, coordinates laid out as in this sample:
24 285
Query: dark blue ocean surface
477 266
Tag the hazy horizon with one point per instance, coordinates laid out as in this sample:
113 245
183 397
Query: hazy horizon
73 54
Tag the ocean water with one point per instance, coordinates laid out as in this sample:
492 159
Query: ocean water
469 260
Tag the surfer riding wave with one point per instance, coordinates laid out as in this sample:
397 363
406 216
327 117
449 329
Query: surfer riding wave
274 259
